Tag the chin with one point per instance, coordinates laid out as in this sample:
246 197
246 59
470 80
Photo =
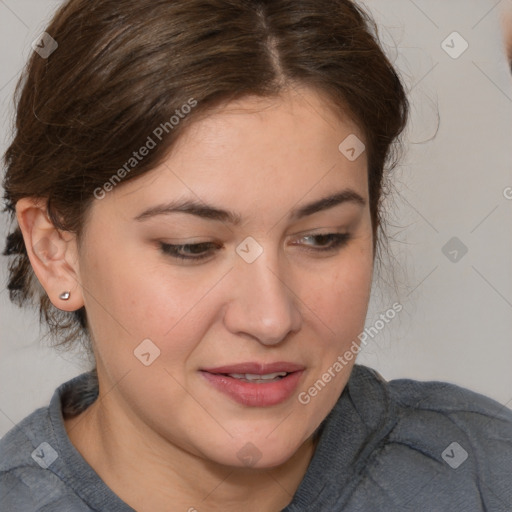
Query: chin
259 452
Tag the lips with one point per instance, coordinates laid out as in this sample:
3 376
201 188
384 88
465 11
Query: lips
256 368
256 384
260 379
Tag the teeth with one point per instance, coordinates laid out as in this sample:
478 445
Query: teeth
252 377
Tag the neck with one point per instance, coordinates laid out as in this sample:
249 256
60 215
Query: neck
123 450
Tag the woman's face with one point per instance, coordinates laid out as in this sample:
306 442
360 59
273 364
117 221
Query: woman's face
271 295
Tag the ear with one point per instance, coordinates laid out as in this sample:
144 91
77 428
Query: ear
53 253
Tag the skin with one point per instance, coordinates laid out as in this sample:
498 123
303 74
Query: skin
161 433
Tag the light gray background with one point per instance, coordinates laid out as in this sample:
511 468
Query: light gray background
457 317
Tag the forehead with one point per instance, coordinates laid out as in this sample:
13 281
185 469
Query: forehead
275 136
260 157
298 112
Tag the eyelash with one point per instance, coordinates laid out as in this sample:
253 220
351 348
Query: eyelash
339 241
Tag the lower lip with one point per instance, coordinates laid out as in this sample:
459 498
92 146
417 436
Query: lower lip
253 394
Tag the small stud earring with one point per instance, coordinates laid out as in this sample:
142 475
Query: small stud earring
64 295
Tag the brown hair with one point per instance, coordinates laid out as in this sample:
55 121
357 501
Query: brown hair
125 67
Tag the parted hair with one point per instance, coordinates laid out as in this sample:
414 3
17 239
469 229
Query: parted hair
124 67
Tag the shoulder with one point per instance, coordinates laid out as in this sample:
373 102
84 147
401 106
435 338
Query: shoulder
29 456
441 405
446 441
442 409
25 484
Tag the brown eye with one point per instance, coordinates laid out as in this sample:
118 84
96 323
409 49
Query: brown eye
188 251
334 241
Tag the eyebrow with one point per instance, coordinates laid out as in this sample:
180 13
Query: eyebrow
211 212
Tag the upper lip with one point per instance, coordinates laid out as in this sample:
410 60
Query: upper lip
256 368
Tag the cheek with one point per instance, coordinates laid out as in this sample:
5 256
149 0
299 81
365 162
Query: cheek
341 296
341 303
139 300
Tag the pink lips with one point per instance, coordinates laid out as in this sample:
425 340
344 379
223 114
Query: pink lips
252 393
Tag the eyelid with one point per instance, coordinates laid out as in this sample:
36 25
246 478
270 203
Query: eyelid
339 240
321 231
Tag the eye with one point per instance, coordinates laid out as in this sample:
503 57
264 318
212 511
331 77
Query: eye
328 242
188 251
337 240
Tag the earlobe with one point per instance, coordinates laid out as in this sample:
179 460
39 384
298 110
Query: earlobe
52 253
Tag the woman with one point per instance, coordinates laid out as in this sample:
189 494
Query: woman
197 187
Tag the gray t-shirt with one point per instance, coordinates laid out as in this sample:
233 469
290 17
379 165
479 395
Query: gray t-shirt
402 445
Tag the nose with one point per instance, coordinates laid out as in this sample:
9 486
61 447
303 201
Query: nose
264 305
